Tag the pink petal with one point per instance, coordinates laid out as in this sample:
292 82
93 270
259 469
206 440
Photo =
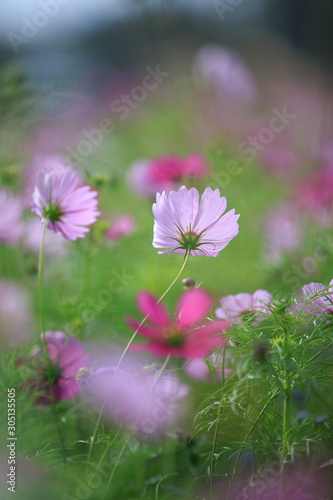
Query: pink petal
193 306
147 304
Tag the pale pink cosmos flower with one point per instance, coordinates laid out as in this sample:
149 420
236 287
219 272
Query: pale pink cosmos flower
226 73
317 300
185 224
10 218
233 307
147 177
66 359
198 369
283 232
122 226
15 313
138 399
187 335
69 208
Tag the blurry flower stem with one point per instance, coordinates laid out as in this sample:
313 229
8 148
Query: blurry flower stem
40 283
147 316
45 349
160 372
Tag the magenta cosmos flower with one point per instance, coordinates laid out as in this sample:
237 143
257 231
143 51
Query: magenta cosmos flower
235 306
122 226
67 357
185 224
147 177
186 335
69 208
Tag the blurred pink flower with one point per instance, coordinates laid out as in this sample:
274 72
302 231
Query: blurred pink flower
10 218
235 306
68 207
67 357
147 177
32 237
316 299
15 313
226 73
198 369
182 223
283 232
122 226
183 336
137 399
314 195
278 160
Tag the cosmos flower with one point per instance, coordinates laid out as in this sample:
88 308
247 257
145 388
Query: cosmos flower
183 224
314 195
67 357
70 209
226 73
147 177
314 301
283 232
137 398
122 226
10 218
235 306
186 335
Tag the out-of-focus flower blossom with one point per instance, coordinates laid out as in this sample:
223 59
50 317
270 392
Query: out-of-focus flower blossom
137 399
55 244
316 300
314 195
278 160
183 224
122 226
66 358
10 218
147 177
15 313
283 232
224 70
183 336
233 307
198 369
69 208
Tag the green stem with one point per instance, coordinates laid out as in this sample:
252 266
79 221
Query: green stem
160 372
45 349
40 283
